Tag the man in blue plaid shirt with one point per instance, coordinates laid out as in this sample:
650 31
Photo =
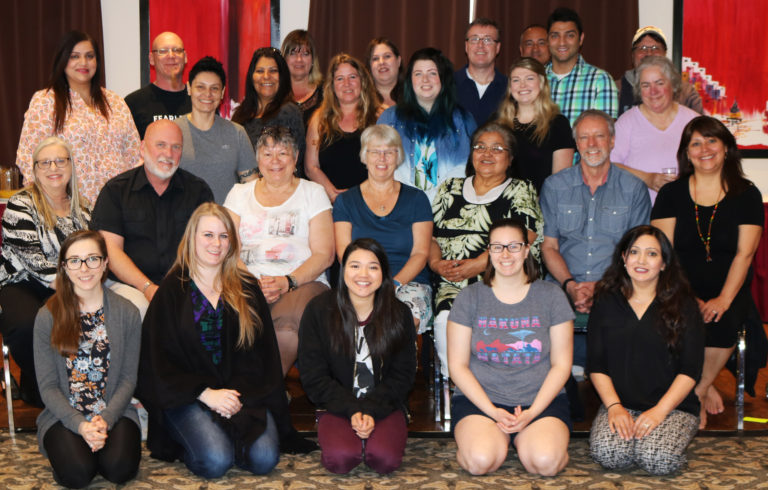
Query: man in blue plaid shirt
575 84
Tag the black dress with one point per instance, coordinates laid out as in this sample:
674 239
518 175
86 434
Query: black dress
340 161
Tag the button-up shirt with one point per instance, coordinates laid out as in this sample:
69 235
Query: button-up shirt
588 226
585 87
151 225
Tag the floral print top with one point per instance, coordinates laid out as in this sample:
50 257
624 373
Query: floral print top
101 148
461 227
88 368
209 321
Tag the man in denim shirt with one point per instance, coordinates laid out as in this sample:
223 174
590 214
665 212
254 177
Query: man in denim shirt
587 209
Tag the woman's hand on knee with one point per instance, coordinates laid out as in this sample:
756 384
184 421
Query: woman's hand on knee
619 420
224 402
647 421
362 424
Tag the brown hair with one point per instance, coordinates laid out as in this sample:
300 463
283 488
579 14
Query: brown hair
230 276
296 40
64 305
530 269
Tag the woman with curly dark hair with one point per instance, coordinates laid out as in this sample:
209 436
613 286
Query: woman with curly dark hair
645 354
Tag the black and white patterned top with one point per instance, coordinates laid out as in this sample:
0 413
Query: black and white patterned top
30 251
363 378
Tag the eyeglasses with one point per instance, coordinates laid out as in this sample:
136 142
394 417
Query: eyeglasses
299 52
56 163
495 149
513 247
387 154
167 51
649 49
485 40
92 262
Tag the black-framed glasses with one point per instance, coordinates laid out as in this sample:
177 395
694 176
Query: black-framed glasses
55 162
485 40
513 247
91 262
167 51
495 149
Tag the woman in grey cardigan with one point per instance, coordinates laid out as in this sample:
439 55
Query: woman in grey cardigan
86 349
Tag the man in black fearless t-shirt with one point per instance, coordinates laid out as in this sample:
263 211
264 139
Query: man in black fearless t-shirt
167 97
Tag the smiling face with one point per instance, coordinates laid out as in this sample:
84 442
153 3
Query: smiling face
206 92
381 160
490 164
169 65
266 79
564 41
56 178
346 84
506 263
385 65
655 89
706 153
594 141
85 280
481 55
534 44
211 242
299 62
82 64
644 261
161 149
647 46
524 85
277 162
362 275
426 82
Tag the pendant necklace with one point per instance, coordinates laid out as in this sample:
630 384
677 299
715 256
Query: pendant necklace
705 240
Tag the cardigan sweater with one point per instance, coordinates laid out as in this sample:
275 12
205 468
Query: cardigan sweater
123 325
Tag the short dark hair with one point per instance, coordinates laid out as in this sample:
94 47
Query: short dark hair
507 134
530 268
483 21
564 14
211 64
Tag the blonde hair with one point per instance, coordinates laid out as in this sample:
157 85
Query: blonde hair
77 203
230 276
544 109
329 114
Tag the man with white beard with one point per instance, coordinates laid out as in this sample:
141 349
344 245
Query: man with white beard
142 214
587 208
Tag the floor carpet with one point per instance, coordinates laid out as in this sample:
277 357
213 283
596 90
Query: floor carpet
713 463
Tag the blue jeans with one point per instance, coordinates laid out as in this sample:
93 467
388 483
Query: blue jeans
209 451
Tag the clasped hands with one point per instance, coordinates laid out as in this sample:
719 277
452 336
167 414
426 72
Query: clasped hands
581 294
225 402
273 287
94 432
362 424
511 423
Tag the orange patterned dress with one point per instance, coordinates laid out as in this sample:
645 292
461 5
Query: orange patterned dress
101 148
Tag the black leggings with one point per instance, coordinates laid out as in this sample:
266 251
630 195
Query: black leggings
74 465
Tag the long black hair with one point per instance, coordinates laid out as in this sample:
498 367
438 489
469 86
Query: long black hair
672 288
249 108
386 330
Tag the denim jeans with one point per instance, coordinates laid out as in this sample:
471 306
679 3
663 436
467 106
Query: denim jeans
209 451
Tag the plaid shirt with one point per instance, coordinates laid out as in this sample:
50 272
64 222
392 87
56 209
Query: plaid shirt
585 87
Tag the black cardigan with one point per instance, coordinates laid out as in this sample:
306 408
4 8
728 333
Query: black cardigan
175 368
327 376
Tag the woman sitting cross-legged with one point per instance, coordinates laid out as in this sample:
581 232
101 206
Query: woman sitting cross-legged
357 359
645 355
510 344
210 374
86 342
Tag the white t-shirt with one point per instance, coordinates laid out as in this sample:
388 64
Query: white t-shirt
275 240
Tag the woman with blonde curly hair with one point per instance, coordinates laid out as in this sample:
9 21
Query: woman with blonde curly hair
545 143
350 104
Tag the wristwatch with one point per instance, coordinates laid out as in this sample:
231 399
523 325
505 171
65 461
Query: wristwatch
292 284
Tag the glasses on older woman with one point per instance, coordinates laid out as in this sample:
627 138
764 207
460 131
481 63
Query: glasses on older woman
387 154
55 163
495 149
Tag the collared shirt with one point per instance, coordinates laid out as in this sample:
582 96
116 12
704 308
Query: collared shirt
586 226
469 98
585 87
151 225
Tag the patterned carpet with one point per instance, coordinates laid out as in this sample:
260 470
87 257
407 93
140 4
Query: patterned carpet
714 462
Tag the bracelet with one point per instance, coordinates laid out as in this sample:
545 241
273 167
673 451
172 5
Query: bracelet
146 285
565 283
612 404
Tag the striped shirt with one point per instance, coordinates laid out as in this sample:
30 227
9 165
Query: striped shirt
585 87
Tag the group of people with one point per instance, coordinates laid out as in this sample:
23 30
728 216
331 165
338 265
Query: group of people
333 219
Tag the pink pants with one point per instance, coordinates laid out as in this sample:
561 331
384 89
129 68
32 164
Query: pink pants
342 450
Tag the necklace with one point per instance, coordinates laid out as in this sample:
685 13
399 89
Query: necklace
705 240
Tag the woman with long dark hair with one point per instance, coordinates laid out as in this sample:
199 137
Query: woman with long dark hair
383 60
645 353
210 367
434 129
713 216
86 352
74 105
268 102
357 359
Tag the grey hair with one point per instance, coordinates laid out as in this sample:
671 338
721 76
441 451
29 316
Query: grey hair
595 113
279 135
385 134
667 69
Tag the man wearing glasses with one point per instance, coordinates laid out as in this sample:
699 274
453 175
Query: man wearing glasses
650 41
167 97
479 85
